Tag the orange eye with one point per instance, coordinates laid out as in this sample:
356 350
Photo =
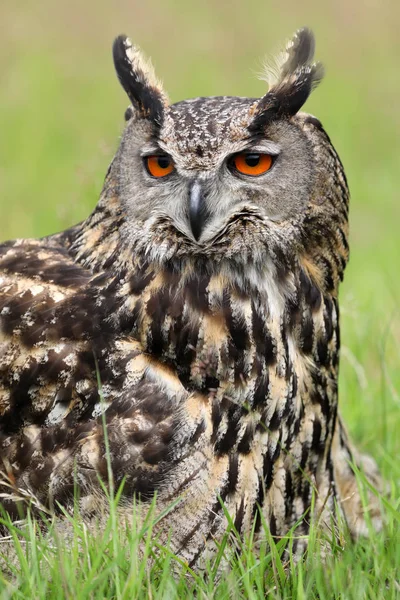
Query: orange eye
252 163
159 165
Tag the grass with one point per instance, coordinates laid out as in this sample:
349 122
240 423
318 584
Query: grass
128 562
61 111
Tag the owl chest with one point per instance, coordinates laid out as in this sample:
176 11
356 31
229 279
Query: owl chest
221 343
260 349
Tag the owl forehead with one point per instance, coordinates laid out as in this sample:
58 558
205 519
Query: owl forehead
200 128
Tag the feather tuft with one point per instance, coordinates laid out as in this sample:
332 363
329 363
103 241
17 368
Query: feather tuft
137 77
291 77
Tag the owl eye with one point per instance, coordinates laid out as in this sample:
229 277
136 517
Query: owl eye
251 163
159 165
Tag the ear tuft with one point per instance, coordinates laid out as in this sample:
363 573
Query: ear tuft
291 78
138 79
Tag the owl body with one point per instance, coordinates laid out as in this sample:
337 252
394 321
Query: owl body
193 317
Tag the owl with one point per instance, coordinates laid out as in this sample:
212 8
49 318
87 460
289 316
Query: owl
183 341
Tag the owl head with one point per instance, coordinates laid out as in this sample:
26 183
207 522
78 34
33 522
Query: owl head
224 177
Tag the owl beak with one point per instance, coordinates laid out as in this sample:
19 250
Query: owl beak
198 214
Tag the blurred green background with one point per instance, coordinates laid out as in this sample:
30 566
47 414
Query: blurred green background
61 112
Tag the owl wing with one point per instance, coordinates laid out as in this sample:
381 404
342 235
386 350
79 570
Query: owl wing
47 318
67 375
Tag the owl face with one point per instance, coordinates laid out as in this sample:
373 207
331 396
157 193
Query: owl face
219 174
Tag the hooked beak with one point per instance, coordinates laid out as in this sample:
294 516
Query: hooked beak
198 214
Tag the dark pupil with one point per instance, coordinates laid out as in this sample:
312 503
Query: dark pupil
163 162
252 160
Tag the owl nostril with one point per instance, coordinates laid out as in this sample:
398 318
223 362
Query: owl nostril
198 214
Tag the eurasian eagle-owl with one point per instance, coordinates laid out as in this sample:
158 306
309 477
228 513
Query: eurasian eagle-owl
195 314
